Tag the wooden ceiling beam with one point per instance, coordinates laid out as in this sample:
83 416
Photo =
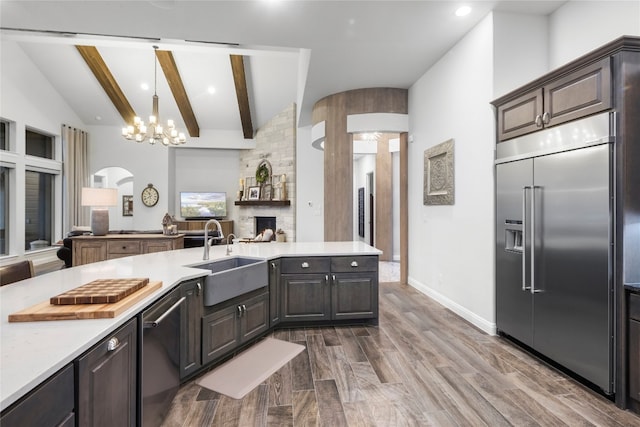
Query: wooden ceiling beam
170 69
100 70
239 78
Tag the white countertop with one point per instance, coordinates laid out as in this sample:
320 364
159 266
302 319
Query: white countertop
33 351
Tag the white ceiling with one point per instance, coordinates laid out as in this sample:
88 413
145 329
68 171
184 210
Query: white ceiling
295 51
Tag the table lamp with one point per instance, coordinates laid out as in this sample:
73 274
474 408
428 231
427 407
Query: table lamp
99 199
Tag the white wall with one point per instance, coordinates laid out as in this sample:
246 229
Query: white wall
28 99
451 247
310 189
201 169
520 50
578 27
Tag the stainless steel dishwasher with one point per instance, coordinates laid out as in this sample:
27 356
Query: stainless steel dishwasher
160 357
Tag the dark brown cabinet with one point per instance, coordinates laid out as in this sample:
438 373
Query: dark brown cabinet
634 351
191 328
329 288
107 380
51 404
579 94
230 326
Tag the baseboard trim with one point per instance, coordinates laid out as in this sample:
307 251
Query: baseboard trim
479 322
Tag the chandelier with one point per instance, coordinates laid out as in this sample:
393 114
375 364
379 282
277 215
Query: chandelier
155 132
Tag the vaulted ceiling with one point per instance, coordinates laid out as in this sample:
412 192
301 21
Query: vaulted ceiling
232 65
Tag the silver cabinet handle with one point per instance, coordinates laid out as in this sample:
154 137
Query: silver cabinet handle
354 263
113 343
546 118
333 277
305 264
198 288
273 265
156 323
239 310
244 309
538 120
326 278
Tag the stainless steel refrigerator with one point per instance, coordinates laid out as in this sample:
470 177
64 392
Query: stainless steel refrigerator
554 213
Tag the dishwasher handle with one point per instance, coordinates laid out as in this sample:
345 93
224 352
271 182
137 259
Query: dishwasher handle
156 323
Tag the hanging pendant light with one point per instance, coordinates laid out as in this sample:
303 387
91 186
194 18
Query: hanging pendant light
155 132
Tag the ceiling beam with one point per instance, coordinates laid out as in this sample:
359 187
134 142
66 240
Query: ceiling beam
170 69
239 78
100 70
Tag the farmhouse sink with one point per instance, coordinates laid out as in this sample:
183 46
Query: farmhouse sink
232 277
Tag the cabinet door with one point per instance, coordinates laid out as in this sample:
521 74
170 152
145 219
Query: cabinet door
274 292
305 297
634 360
580 94
51 404
354 296
220 333
518 117
191 328
86 252
149 246
107 380
254 318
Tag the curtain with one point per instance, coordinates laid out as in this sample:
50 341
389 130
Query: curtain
75 176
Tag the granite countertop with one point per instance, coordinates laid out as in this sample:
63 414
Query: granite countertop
30 352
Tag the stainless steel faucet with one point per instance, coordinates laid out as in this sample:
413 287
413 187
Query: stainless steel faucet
230 249
205 256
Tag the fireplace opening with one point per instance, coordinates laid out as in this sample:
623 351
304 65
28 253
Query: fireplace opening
264 222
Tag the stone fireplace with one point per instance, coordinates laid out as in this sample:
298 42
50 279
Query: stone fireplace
264 222
275 142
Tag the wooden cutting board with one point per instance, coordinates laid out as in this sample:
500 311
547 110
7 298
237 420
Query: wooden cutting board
47 311
100 291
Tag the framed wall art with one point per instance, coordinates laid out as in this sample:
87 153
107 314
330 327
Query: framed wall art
439 188
127 205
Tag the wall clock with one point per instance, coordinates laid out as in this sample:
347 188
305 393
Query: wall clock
150 195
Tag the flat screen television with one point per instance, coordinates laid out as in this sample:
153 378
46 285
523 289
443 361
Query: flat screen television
202 205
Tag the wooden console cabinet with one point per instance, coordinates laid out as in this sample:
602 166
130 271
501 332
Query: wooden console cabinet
196 225
88 249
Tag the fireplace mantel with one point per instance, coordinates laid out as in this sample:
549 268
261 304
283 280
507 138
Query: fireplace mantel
262 202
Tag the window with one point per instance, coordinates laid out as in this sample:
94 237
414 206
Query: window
4 135
39 145
38 210
4 211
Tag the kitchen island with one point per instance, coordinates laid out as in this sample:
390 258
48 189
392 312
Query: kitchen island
31 352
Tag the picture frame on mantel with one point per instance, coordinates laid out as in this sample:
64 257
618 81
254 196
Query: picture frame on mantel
439 185
254 193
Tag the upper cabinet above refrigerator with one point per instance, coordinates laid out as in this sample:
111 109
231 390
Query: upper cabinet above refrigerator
579 94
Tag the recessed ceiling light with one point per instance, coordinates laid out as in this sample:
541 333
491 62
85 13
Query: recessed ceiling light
211 90
463 11
98 118
144 86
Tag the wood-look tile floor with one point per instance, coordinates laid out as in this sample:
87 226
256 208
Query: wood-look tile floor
421 366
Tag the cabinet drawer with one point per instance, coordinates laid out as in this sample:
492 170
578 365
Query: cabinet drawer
306 265
634 306
51 404
123 247
352 264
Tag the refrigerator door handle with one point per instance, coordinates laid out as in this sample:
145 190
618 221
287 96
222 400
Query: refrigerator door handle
524 237
532 288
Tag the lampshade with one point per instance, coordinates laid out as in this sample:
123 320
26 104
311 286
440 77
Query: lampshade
99 197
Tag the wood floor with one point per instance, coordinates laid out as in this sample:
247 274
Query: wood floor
422 366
